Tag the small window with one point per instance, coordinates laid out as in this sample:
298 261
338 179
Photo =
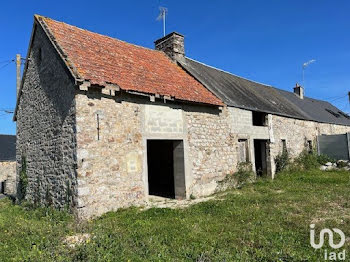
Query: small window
344 115
259 118
243 151
332 112
284 145
309 146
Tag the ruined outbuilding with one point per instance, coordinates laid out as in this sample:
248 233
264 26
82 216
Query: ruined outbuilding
102 124
7 164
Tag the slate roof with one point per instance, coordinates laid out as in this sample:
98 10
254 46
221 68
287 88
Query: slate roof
318 110
104 60
7 148
246 94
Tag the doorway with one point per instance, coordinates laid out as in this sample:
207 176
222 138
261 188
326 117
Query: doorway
2 187
166 169
261 154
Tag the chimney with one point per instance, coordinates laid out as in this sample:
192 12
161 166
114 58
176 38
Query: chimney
173 45
299 91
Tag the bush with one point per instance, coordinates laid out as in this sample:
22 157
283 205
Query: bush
23 180
282 161
311 160
245 173
305 161
323 159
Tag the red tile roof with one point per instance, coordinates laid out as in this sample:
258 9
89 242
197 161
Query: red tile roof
102 59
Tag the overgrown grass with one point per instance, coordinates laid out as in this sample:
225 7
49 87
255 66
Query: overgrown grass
264 221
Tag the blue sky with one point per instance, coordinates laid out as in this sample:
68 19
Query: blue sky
266 41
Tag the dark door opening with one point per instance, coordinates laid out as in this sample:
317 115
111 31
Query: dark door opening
2 187
260 153
166 173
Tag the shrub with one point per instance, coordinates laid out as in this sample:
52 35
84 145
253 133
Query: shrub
282 161
244 173
306 160
323 159
310 160
23 180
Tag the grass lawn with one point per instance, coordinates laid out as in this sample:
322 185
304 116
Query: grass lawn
264 221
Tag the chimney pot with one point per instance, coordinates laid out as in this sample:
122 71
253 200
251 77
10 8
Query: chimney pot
172 45
299 91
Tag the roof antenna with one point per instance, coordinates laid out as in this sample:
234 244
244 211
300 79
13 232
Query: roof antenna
162 14
306 64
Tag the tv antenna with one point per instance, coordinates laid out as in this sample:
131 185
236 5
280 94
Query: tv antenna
306 64
162 15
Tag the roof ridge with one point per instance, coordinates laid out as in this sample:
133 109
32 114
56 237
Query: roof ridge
227 72
278 89
112 38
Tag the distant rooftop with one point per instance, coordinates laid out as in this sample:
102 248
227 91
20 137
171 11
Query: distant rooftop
7 148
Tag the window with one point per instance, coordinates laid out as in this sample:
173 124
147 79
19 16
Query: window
284 145
309 146
259 118
344 115
243 152
333 113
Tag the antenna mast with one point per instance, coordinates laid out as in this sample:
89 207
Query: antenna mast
304 66
162 15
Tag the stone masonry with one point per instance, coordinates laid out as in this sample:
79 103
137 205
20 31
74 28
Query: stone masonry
46 130
8 174
111 140
295 132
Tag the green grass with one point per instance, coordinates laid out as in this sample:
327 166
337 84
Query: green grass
264 221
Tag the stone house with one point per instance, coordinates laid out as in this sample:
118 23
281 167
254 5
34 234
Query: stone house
7 164
103 124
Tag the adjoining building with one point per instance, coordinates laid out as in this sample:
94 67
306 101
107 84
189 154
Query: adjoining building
8 164
103 124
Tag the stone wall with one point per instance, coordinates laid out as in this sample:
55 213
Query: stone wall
212 148
8 174
46 127
110 159
298 132
295 132
112 136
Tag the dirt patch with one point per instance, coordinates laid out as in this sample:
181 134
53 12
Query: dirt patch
78 239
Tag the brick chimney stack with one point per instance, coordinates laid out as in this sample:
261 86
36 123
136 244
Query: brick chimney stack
173 45
299 91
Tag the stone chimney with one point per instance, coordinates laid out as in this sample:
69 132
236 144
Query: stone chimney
173 45
299 91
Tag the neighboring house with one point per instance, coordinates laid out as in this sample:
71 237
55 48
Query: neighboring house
103 124
7 164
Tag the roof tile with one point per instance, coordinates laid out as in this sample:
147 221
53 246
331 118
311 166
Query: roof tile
102 59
